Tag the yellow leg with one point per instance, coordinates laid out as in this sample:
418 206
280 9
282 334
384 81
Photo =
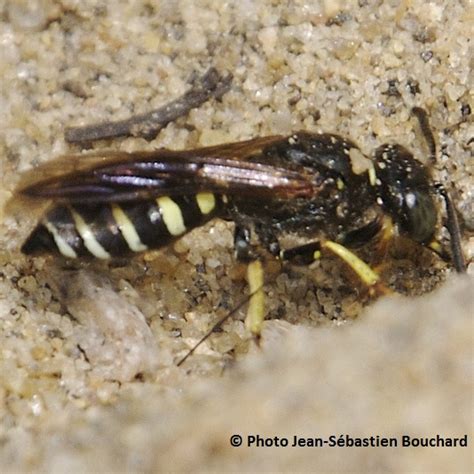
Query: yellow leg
384 238
368 276
256 308
255 277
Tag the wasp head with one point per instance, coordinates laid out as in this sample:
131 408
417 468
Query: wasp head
405 192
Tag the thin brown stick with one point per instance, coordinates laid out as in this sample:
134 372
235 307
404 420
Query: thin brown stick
147 125
215 327
227 316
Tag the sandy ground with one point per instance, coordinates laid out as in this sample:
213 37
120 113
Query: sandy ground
88 376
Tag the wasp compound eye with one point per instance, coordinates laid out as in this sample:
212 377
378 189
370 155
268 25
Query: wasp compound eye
403 189
419 216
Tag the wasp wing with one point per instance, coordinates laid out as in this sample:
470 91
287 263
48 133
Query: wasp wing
232 168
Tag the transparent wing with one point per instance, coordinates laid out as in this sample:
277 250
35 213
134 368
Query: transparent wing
117 176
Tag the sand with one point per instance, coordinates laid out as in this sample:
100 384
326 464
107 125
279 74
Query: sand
88 376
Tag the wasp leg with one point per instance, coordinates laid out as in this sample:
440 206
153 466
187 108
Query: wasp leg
268 239
256 308
359 237
244 252
302 254
380 231
312 251
382 240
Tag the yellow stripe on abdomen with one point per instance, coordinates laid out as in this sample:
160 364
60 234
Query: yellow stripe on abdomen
88 237
206 202
127 229
171 215
61 243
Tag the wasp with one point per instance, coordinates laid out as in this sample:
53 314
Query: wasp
110 204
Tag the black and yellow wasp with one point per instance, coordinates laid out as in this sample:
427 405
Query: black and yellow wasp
108 204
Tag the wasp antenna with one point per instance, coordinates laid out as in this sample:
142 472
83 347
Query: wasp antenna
425 127
454 230
452 223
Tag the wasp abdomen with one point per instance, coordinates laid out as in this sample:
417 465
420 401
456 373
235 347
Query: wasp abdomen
110 230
